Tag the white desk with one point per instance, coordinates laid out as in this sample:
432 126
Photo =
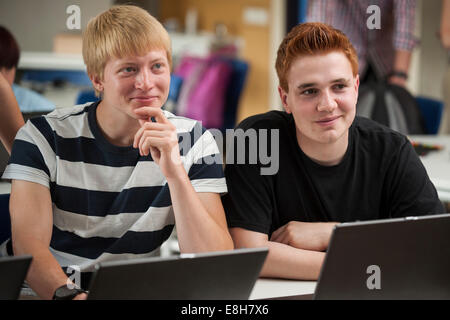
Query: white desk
5 187
437 163
198 45
263 289
275 288
51 61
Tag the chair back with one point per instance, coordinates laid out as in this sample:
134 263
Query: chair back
431 110
5 222
85 96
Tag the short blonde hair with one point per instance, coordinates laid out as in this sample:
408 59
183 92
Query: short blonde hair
119 32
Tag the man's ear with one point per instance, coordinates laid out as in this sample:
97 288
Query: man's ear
96 82
357 85
283 96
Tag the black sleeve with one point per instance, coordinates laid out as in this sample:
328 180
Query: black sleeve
411 193
249 201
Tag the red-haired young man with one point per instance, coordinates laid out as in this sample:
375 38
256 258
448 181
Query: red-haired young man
333 167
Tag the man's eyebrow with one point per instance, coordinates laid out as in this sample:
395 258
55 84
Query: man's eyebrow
131 61
125 62
159 60
307 85
340 80
313 84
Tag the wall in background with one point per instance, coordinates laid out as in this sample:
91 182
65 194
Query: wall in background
256 37
433 58
151 6
34 23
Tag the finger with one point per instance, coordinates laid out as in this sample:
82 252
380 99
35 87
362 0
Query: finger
283 237
137 137
151 142
155 134
150 134
143 122
277 234
168 138
149 112
155 126
156 154
149 126
150 139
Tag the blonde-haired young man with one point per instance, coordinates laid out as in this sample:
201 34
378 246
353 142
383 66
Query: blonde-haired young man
91 183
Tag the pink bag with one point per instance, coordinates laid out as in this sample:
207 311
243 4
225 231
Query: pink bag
205 83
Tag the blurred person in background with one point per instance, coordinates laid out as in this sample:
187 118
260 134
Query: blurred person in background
11 119
383 53
445 40
28 100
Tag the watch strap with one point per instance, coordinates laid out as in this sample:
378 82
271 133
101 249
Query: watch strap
399 74
66 293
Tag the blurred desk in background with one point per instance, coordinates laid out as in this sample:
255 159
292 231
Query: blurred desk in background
59 77
437 162
51 61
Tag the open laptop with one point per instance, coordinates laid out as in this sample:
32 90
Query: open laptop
404 258
13 271
206 276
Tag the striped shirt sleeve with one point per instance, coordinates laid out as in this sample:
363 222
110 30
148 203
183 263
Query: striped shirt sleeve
206 173
33 158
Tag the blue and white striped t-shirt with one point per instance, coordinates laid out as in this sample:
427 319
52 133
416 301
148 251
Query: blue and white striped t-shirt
109 203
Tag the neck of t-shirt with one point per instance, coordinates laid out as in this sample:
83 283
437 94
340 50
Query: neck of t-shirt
325 154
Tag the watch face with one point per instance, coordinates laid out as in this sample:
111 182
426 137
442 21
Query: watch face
64 293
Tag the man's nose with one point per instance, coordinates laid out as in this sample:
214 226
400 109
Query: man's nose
327 102
144 80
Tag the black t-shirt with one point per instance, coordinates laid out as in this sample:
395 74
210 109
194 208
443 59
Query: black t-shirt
379 177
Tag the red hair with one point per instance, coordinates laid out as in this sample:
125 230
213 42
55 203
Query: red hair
309 39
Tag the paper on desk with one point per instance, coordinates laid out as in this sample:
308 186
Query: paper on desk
441 184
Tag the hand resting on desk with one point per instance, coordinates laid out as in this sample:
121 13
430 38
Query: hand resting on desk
288 257
304 235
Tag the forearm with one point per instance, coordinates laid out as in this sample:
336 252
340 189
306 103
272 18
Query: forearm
45 274
402 61
445 24
400 68
199 217
287 262
445 15
11 119
31 229
197 230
